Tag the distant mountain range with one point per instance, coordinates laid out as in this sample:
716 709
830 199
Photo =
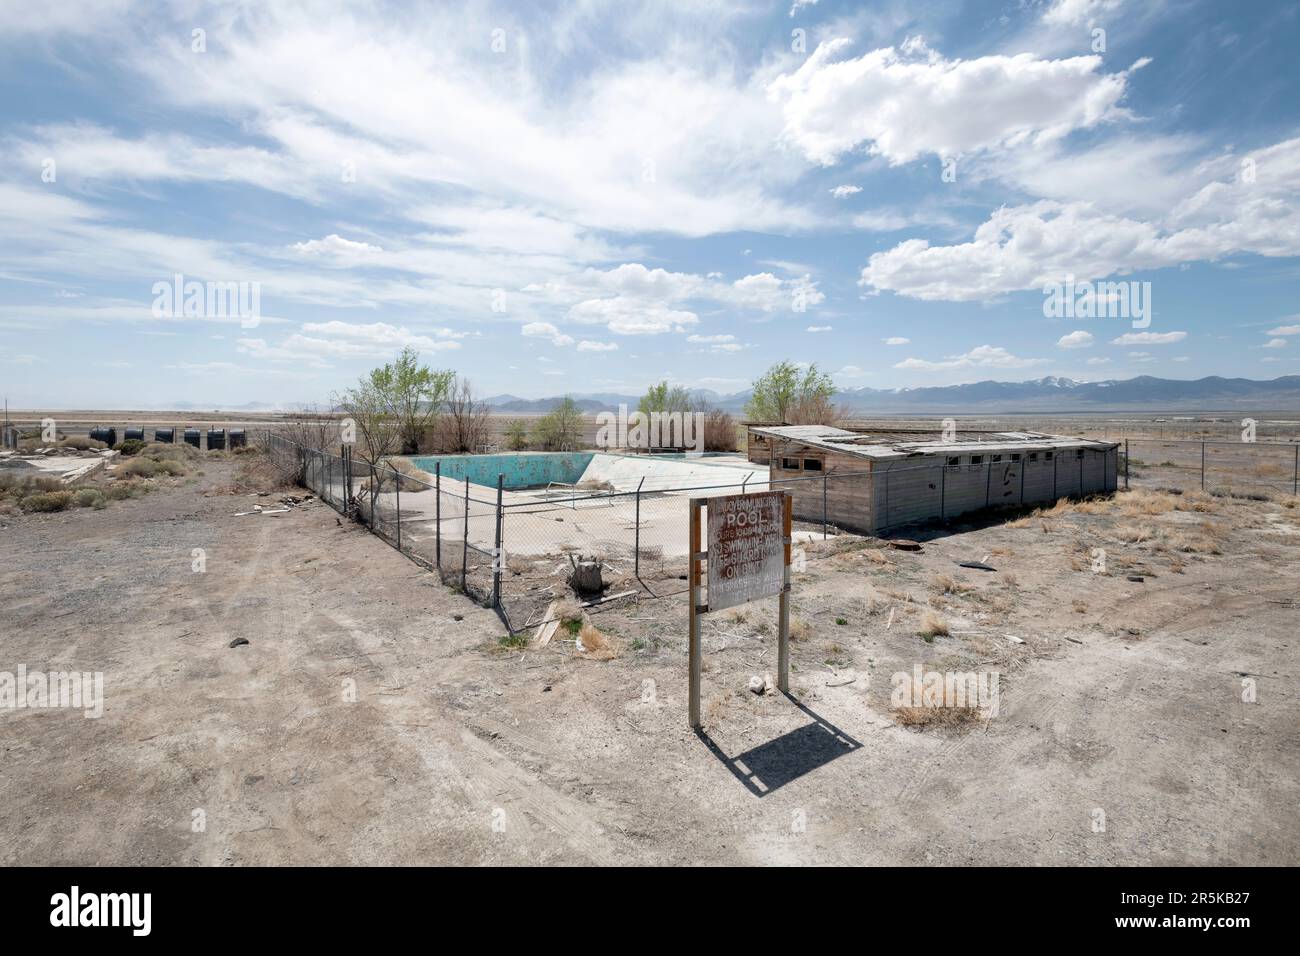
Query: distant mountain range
1043 395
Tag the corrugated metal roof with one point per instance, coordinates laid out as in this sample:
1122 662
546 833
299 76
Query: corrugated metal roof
888 446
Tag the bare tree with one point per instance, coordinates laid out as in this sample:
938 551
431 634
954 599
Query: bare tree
309 428
719 431
813 409
463 425
367 408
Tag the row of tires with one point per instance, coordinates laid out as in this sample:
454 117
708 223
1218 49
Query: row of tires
218 439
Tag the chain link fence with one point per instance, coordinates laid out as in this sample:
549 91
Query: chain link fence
514 550
1218 467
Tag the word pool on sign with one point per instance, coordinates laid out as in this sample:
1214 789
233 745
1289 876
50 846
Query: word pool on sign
746 555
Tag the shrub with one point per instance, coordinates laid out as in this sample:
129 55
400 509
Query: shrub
81 444
87 497
559 430
933 626
20 486
140 467
719 431
517 435
132 446
47 501
121 490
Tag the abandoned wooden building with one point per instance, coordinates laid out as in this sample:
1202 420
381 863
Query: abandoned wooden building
873 482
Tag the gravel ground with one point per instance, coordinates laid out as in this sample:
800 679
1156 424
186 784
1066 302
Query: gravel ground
374 718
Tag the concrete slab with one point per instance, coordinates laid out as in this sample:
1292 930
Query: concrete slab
68 469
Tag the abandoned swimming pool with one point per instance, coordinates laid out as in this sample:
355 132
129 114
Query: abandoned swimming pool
522 471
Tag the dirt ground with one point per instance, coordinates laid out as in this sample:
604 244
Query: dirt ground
1122 736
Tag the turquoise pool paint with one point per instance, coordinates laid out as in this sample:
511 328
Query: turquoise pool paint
524 470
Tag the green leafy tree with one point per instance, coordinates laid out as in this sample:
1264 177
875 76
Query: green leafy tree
665 398
560 429
415 395
784 388
517 435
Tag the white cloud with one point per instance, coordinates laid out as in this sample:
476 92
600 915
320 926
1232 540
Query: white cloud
896 340
703 339
1077 12
843 192
909 101
800 4
820 328
1098 360
849 371
546 330
626 316
1285 330
1077 339
586 345
983 356
1149 338
336 246
1275 344
1025 247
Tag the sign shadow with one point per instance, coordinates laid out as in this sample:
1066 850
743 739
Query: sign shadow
770 766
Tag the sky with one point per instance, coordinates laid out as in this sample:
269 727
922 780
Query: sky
590 197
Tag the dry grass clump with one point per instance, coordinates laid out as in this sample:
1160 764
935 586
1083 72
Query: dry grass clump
932 626
46 501
880 558
387 481
143 467
162 451
947 584
931 713
596 645
800 630
18 486
121 490
1206 538
78 443
1136 534
1008 579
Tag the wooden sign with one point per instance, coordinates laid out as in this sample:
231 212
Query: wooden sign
746 548
748 558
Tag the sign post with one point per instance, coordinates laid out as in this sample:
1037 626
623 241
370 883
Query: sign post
748 559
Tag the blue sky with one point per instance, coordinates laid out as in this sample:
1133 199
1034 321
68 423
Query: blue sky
590 197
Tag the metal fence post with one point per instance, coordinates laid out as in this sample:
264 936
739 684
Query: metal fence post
374 495
497 557
943 491
437 509
1202 464
1295 475
824 480
397 478
464 545
636 545
1126 464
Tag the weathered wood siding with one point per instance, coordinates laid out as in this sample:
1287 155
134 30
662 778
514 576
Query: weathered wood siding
875 497
840 491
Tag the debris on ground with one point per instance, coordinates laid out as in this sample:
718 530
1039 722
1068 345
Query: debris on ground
976 565
903 544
